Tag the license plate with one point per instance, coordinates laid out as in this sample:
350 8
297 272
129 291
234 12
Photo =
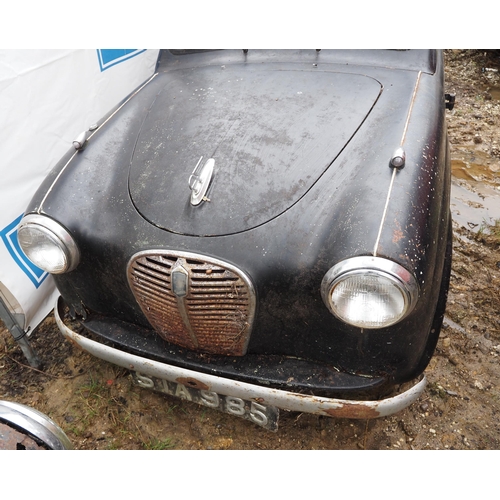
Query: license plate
264 415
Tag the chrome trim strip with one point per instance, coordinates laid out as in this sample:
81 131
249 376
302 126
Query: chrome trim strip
414 95
395 170
123 104
282 399
181 301
93 131
40 208
384 214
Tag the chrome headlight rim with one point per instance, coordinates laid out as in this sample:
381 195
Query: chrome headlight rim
56 232
380 267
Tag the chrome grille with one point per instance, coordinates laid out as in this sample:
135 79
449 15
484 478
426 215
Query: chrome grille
194 301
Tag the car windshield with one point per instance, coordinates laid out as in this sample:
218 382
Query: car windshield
181 52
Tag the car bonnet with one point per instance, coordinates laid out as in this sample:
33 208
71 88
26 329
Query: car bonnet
270 133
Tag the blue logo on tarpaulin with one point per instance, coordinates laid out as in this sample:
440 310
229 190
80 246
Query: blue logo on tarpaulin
110 57
9 237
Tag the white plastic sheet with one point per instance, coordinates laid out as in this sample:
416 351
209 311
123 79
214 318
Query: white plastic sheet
47 98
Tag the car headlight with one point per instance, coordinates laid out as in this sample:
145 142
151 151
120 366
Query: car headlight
369 292
47 244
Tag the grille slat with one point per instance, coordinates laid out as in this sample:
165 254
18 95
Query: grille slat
217 311
153 284
151 272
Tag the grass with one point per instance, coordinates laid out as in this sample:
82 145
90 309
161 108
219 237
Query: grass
159 444
490 233
95 395
494 229
99 404
93 390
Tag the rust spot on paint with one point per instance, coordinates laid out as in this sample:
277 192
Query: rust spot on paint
353 411
397 236
192 382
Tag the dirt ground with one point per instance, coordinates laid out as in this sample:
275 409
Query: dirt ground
99 408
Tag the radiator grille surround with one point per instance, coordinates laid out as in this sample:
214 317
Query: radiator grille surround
194 301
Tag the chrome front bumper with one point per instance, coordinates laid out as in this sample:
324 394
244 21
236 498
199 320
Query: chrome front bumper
264 395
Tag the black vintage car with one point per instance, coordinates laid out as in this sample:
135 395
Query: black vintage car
259 229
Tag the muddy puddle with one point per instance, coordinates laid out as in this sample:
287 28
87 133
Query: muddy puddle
475 190
495 92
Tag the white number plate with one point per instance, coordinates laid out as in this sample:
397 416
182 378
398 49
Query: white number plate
263 415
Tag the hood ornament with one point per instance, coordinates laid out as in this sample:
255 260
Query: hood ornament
200 179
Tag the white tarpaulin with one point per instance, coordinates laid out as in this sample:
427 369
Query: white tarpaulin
47 98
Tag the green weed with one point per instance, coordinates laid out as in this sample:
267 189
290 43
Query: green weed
159 444
489 233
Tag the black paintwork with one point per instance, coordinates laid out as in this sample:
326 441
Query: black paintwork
289 200
264 161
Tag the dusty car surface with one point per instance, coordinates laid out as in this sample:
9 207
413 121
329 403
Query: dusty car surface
260 230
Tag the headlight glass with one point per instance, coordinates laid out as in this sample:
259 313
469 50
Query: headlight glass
369 292
47 244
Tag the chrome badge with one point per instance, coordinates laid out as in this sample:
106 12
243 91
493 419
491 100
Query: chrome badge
200 179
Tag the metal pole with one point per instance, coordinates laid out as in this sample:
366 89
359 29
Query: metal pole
19 335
